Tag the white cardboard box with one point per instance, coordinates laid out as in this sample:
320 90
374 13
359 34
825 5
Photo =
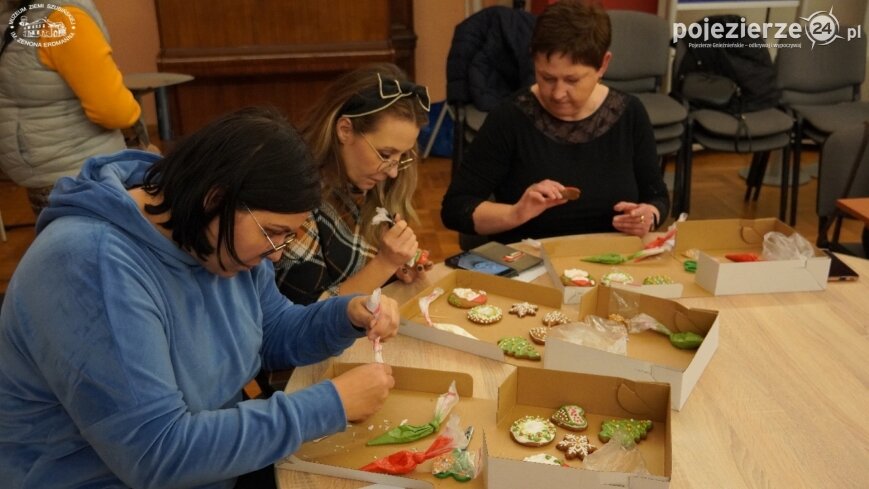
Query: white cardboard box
719 276
560 254
524 392
650 356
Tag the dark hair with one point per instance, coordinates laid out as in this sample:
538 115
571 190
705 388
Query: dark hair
7 34
251 157
575 29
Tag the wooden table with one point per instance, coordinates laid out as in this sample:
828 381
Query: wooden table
783 403
856 207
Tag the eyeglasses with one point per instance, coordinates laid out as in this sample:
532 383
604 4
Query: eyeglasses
387 164
284 244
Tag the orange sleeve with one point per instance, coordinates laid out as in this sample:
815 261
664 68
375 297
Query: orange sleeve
85 63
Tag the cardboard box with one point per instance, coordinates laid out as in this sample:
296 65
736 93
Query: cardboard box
502 292
564 253
650 356
716 274
524 392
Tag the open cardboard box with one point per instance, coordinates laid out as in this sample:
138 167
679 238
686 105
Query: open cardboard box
715 238
564 253
524 392
650 356
502 292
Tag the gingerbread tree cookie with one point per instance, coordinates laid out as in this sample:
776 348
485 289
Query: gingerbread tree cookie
517 347
637 429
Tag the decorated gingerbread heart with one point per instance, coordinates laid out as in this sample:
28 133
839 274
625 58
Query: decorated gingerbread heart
570 417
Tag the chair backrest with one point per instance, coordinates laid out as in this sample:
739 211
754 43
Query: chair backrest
821 74
641 51
838 157
489 57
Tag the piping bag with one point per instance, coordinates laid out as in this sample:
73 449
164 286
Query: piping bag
407 433
373 306
405 461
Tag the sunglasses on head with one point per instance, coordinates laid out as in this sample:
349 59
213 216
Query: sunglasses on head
388 92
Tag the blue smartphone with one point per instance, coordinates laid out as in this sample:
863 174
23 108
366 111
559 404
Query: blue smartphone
476 263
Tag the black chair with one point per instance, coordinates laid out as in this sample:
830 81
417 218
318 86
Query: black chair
843 172
489 59
820 86
641 56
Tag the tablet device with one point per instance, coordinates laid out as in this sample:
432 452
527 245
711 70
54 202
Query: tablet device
839 270
476 263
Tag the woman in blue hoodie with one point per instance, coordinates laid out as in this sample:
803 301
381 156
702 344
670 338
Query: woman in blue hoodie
146 303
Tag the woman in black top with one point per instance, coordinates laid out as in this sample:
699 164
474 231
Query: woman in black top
566 130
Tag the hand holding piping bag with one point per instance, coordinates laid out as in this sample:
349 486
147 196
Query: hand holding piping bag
373 306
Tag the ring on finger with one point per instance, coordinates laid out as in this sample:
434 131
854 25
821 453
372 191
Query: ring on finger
643 218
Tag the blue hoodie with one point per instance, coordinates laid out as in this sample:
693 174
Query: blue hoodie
122 359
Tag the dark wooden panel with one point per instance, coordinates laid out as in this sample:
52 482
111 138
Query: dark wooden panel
274 52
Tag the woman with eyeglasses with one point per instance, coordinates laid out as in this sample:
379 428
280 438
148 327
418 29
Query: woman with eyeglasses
148 301
565 130
363 135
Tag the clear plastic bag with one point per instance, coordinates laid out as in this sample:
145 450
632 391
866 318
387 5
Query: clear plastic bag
620 454
777 246
594 332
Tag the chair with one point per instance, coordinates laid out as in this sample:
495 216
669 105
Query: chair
641 56
488 60
843 172
820 86
757 132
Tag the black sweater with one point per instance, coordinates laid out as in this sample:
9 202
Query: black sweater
610 156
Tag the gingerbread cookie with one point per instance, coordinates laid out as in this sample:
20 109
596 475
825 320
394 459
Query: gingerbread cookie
635 428
543 458
522 309
485 314
571 193
616 278
538 335
466 298
554 318
657 280
575 446
577 277
532 431
570 417
517 347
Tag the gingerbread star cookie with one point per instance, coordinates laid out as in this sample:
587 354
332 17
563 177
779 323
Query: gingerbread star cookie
517 347
635 428
466 298
532 431
485 314
522 309
575 446
554 318
570 417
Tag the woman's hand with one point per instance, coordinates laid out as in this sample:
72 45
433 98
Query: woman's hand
398 244
384 325
536 199
635 219
364 389
410 274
